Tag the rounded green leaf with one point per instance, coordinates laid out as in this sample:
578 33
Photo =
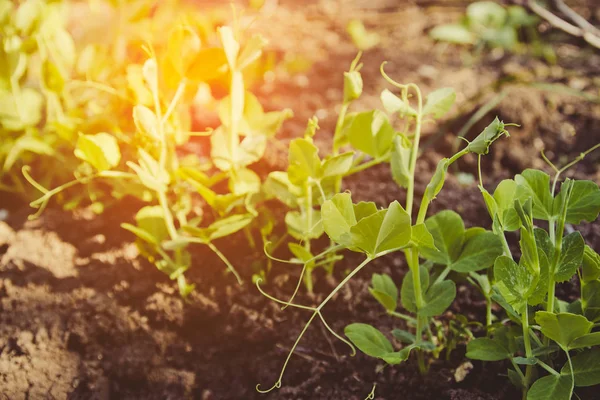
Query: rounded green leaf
371 133
384 290
479 252
447 229
563 328
100 150
368 339
438 298
535 184
338 217
453 33
487 349
555 387
586 368
439 102
407 292
571 257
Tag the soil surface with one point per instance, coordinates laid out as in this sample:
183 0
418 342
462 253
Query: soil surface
82 317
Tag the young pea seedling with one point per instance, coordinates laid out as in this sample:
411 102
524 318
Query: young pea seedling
362 227
547 258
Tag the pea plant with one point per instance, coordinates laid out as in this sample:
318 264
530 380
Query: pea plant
558 337
37 56
310 179
362 227
487 24
159 175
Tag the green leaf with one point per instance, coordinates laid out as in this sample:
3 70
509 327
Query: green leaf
385 291
150 172
145 121
395 231
487 13
544 243
230 45
536 184
371 133
404 336
23 144
584 203
363 209
586 368
27 16
304 161
453 33
515 278
353 86
337 165
385 230
338 217
251 51
504 196
400 160
244 181
394 104
590 265
278 186
525 360
587 340
421 238
563 328
436 183
362 38
100 150
229 225
151 219
439 102
487 349
407 292
140 233
297 226
447 229
397 357
538 295
479 252
555 387
438 298
20 111
481 144
368 339
590 300
570 257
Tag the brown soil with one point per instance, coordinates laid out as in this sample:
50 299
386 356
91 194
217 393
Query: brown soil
82 318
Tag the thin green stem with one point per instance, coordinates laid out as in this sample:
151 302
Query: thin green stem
164 204
309 217
488 311
340 338
528 351
405 317
314 314
339 125
548 368
175 100
414 151
443 275
226 261
277 384
366 165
